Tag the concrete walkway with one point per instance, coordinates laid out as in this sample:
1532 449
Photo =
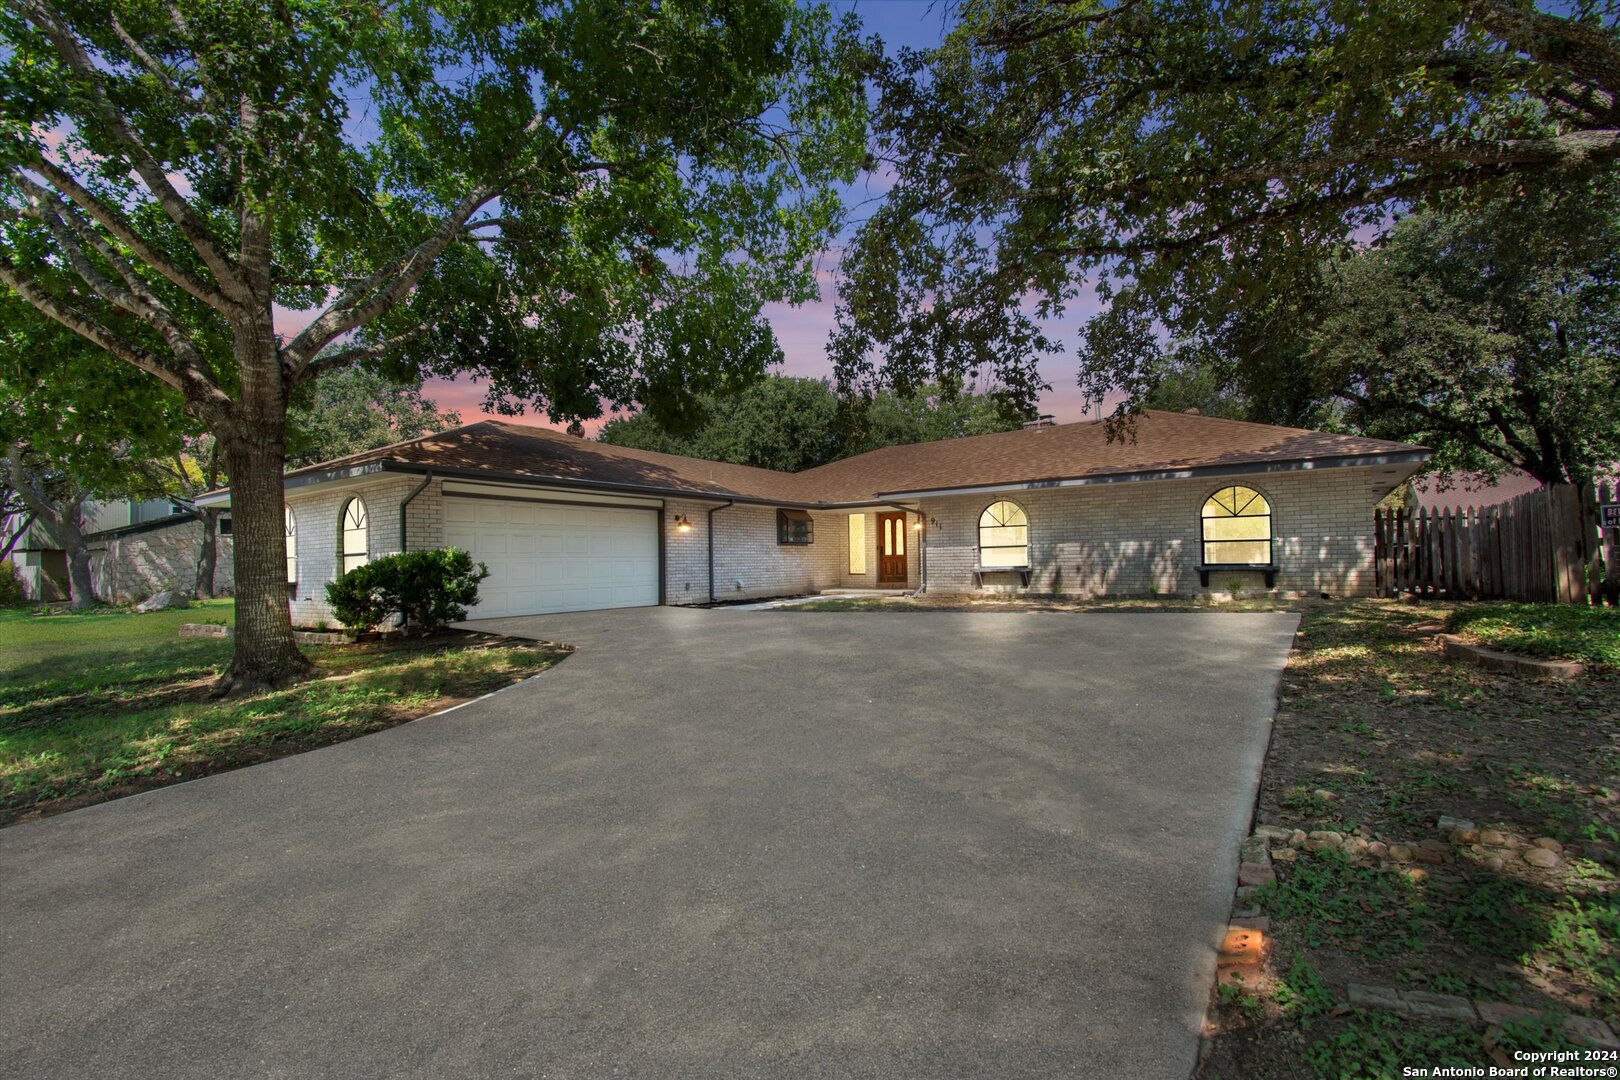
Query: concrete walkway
712 843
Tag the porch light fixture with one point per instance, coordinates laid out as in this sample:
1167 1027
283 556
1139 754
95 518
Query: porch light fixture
682 523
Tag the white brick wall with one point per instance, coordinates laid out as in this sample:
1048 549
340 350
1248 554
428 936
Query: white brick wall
1098 540
318 531
1134 539
746 551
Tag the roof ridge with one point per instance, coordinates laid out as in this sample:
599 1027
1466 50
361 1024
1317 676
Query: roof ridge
330 462
690 457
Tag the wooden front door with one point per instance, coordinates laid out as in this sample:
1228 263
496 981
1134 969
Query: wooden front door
891 529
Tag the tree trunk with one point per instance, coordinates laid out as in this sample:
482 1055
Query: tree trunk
208 556
80 584
70 530
265 654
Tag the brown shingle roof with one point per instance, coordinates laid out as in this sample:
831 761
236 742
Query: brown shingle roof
497 449
1163 442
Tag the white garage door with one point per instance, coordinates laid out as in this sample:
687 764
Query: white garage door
546 557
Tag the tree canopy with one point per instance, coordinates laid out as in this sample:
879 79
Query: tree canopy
1491 335
1185 159
581 202
1485 331
358 409
790 424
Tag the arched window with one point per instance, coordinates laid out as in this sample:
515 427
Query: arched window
1003 535
356 530
1237 528
292 547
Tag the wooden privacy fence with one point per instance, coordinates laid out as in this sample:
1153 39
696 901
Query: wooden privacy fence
1545 546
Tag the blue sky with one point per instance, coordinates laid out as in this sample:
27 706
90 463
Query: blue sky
802 332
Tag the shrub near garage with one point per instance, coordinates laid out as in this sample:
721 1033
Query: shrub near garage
427 589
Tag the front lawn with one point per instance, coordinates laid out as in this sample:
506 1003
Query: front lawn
1554 631
106 703
1378 735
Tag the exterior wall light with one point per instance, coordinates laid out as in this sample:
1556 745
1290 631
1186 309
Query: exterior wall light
682 523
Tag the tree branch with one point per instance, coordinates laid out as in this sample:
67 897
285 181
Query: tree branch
21 531
1360 196
191 224
155 69
28 489
120 230
196 387
1587 50
1600 145
376 293
1016 36
72 236
331 361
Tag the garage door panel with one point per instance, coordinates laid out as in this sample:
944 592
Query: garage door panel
545 558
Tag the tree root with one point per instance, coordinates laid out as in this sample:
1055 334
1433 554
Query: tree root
235 682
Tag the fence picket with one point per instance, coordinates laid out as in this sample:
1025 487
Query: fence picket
1545 546
1468 580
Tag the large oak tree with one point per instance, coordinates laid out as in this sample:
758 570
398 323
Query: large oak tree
578 201
1199 155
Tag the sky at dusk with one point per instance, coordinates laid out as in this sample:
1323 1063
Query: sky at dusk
802 332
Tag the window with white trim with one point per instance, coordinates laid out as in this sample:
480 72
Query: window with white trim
292 546
356 535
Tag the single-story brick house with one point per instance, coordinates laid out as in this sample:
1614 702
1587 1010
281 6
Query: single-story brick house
1192 503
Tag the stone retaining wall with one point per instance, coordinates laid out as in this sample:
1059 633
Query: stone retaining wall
129 568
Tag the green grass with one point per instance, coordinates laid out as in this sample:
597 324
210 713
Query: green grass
98 704
844 603
1555 631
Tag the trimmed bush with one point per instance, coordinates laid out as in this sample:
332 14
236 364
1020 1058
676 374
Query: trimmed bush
426 588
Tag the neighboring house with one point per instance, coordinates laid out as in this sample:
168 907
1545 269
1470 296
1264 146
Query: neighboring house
1191 504
38 559
137 547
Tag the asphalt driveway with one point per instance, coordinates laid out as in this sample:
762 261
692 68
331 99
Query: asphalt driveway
712 843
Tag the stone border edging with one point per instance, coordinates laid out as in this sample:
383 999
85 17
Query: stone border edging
303 637
1247 939
1511 663
1423 1005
